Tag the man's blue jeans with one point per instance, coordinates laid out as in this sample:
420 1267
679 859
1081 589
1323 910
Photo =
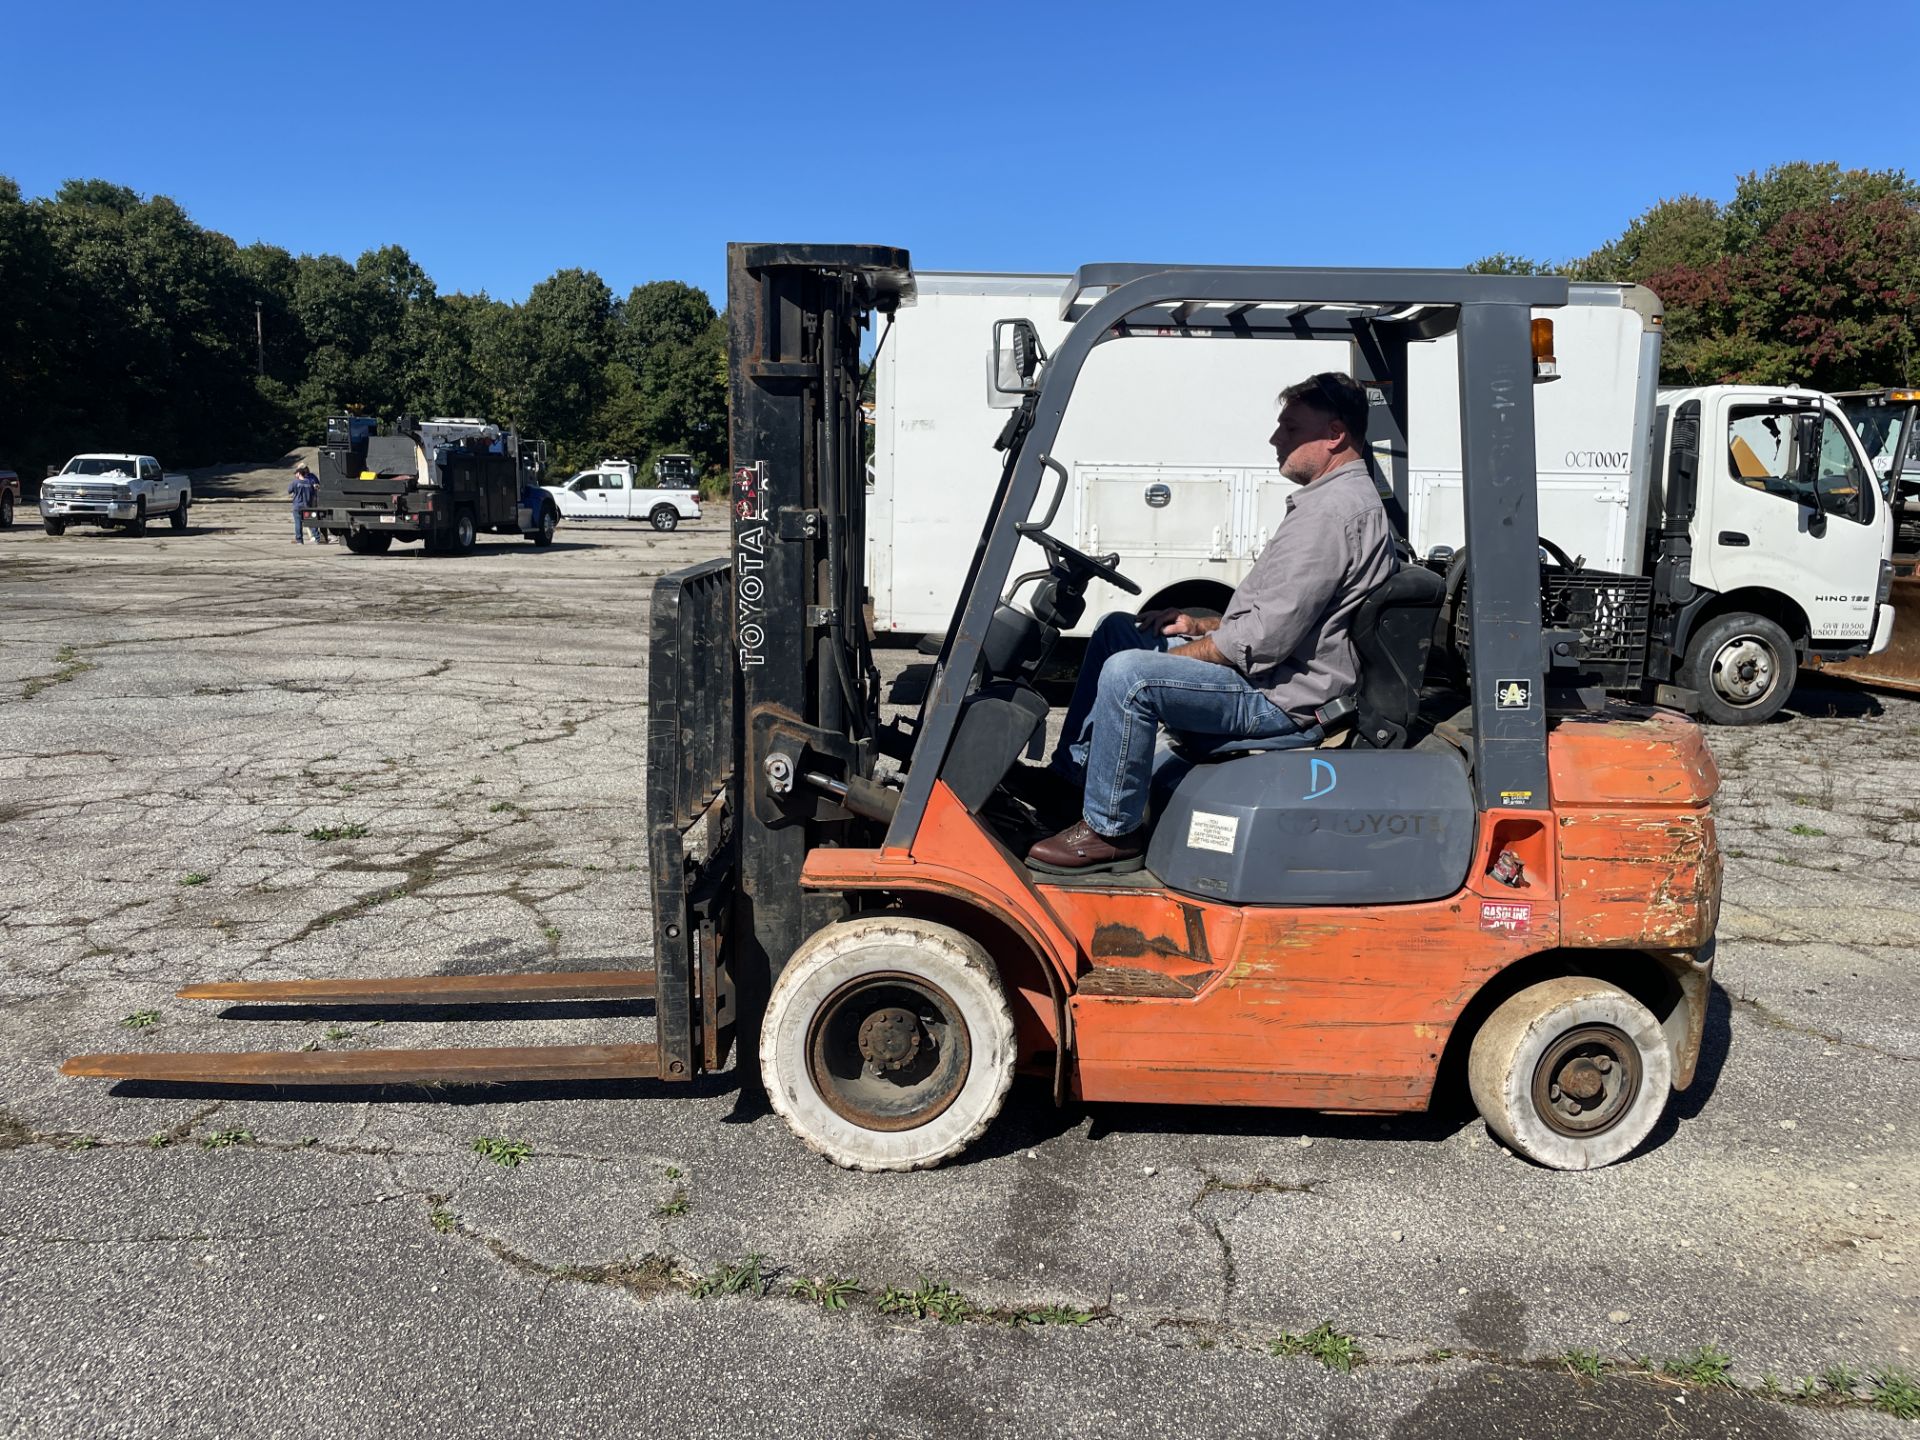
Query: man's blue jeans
299 528
1132 684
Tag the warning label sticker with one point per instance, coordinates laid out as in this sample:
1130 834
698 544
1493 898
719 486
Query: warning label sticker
1213 832
1513 916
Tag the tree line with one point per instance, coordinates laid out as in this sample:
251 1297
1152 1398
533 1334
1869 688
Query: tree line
1809 275
123 324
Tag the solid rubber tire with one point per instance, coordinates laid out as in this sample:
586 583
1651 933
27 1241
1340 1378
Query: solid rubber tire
1696 671
1510 1043
842 952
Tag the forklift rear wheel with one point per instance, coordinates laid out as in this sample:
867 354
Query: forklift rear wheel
665 517
1742 667
1571 1073
888 1043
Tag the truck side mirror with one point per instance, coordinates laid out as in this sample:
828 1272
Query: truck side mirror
52 470
1017 357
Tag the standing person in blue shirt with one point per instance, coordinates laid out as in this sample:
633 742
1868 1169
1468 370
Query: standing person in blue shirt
303 489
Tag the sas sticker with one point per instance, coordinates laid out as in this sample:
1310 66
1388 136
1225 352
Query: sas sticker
1213 832
1515 917
1512 694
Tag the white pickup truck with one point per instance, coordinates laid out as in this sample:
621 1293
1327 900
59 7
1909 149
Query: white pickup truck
612 491
110 490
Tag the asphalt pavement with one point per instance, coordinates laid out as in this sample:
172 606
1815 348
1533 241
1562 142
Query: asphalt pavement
225 757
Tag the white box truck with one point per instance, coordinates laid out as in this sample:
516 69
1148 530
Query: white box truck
1768 546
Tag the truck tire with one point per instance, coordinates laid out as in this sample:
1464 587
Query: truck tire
55 527
138 524
1742 667
1571 1073
6 509
460 539
888 1043
665 517
177 517
549 519
368 542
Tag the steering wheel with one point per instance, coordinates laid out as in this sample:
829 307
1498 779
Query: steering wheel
1059 550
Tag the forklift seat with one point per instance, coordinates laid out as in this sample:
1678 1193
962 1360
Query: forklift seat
1392 635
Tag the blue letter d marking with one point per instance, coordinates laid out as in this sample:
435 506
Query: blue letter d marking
1322 778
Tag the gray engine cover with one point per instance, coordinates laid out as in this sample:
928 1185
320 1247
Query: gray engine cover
1318 827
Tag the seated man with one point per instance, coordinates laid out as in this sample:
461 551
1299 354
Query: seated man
1279 653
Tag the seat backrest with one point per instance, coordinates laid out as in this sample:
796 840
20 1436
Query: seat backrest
1392 635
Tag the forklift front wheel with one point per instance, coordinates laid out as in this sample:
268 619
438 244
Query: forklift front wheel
1571 1073
888 1043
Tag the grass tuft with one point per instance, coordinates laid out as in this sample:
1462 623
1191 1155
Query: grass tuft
194 877
1896 1394
746 1278
1584 1362
355 831
1709 1365
140 1020
929 1300
225 1139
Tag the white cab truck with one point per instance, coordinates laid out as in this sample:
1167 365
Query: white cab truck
612 490
1766 541
113 490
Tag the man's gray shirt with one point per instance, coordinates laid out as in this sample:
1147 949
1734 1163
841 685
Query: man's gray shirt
1287 627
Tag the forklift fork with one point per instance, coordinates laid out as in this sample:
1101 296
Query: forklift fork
690 853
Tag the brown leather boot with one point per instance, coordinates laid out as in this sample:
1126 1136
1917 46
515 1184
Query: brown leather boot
1081 850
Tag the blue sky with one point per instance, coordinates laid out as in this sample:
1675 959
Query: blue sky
499 143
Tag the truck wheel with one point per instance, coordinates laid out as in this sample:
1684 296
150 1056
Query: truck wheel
177 517
1742 667
888 1043
549 519
6 509
368 542
55 527
1571 1073
665 517
138 524
461 539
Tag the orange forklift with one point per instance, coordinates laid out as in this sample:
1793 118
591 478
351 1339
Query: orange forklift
1478 864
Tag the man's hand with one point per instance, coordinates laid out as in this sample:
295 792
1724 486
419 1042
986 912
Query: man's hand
1177 622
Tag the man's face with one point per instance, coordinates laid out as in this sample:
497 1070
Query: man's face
1305 440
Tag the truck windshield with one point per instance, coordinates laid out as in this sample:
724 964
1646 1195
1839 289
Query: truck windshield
97 465
675 467
1882 430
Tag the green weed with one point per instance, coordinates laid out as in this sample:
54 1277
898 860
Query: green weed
552 932
507 1153
223 1139
1895 1393
501 807
194 877
1054 1315
1332 1348
1584 1362
1709 1365
1840 1379
1806 831
830 1292
676 1206
931 1300
355 831
442 1219
83 1142
746 1278
140 1020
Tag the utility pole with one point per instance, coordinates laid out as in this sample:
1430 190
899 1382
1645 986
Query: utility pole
259 339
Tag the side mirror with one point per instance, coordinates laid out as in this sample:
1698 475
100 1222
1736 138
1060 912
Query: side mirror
1017 357
52 470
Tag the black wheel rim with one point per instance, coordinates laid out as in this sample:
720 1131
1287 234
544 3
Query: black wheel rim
1586 1081
889 1051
